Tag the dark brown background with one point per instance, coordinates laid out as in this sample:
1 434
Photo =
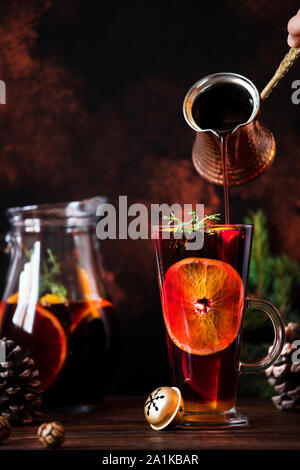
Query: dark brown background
94 97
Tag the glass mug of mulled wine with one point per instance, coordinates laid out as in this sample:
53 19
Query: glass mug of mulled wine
203 295
55 305
228 104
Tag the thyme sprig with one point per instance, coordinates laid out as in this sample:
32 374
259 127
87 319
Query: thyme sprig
192 225
49 279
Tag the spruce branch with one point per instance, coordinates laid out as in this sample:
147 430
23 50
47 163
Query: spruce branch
260 269
271 277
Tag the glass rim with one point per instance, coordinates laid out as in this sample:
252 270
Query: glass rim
61 213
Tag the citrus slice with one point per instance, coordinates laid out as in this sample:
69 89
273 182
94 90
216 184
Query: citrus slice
47 342
49 345
13 299
202 305
91 310
93 304
51 299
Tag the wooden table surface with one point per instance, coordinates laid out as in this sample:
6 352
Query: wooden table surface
118 423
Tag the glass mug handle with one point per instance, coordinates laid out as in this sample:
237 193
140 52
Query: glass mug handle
279 340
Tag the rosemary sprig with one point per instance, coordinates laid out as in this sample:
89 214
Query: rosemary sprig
192 225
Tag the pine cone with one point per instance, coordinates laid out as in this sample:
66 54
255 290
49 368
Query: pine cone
20 389
284 375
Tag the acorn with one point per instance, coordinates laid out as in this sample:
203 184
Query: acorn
51 435
164 408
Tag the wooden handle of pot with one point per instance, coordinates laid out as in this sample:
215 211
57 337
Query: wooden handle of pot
283 68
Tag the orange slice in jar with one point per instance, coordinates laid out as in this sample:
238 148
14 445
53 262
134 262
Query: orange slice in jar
46 341
93 304
50 345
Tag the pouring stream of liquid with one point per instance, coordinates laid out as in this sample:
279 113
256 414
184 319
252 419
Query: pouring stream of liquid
223 145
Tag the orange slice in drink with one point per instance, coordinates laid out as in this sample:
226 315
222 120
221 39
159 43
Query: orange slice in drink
202 304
